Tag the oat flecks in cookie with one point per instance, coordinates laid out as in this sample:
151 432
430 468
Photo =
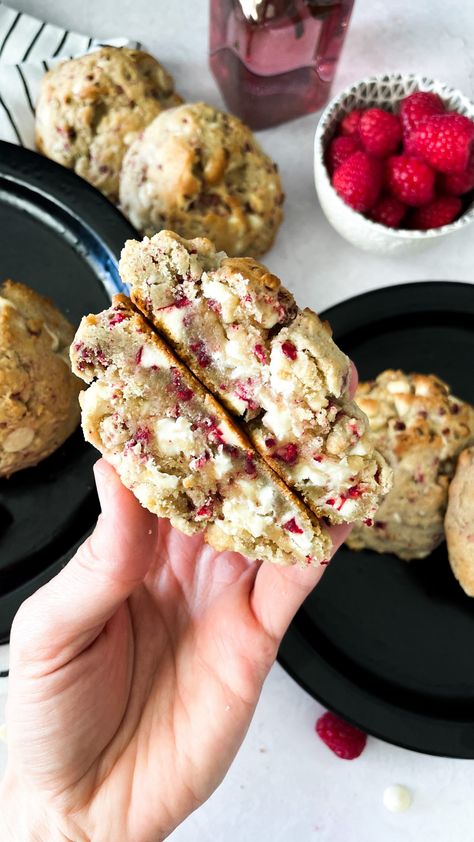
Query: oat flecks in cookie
420 428
459 522
201 172
39 405
90 109
178 451
240 331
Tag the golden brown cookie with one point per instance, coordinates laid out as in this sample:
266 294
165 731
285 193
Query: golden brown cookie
201 172
420 428
91 108
459 521
39 405
176 448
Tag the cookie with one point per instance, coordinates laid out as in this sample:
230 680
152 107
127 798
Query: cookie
420 428
277 368
176 448
459 522
91 108
39 405
201 172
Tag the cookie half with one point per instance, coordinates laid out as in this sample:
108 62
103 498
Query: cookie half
179 452
272 365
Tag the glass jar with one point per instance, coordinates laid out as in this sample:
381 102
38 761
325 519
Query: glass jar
275 61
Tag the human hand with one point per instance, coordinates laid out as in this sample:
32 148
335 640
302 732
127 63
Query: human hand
134 676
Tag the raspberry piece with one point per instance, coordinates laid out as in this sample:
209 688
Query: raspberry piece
288 453
250 468
343 739
358 181
117 318
200 351
261 354
205 511
410 180
456 184
440 211
289 350
270 442
380 132
415 107
292 526
445 141
340 149
388 211
183 393
350 123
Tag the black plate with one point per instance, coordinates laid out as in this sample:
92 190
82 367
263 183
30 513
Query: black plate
385 643
63 238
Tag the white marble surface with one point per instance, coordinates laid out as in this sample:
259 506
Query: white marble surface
285 784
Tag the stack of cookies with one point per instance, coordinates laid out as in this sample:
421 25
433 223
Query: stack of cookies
113 116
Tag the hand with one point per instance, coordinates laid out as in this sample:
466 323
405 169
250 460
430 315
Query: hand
134 676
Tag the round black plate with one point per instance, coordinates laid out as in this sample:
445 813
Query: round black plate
385 643
63 238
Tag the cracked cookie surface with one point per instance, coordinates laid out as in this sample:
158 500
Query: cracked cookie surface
201 172
420 428
175 447
39 405
90 109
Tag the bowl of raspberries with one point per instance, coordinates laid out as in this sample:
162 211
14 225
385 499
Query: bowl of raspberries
394 162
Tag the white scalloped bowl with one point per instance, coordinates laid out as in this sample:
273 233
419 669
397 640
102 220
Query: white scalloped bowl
384 92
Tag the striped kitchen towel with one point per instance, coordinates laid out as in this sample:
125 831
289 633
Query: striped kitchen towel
28 48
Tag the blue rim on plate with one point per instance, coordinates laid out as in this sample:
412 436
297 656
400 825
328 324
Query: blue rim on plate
63 238
385 643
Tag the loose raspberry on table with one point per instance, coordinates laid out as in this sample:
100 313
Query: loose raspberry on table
456 184
445 141
441 211
410 180
343 739
358 181
380 132
388 211
415 107
350 123
340 149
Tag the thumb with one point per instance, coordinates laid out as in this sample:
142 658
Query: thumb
66 614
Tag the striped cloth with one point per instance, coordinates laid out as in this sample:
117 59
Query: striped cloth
28 48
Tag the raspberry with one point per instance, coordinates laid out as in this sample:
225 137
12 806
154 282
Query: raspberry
350 123
200 351
440 211
380 132
445 141
340 149
287 453
343 739
415 107
410 180
292 526
458 183
388 211
358 181
261 354
289 350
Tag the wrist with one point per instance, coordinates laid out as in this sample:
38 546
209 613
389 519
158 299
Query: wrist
21 818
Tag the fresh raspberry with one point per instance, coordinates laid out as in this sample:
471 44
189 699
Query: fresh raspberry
358 181
343 739
380 132
458 183
440 211
415 107
445 141
350 123
388 211
410 180
340 149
